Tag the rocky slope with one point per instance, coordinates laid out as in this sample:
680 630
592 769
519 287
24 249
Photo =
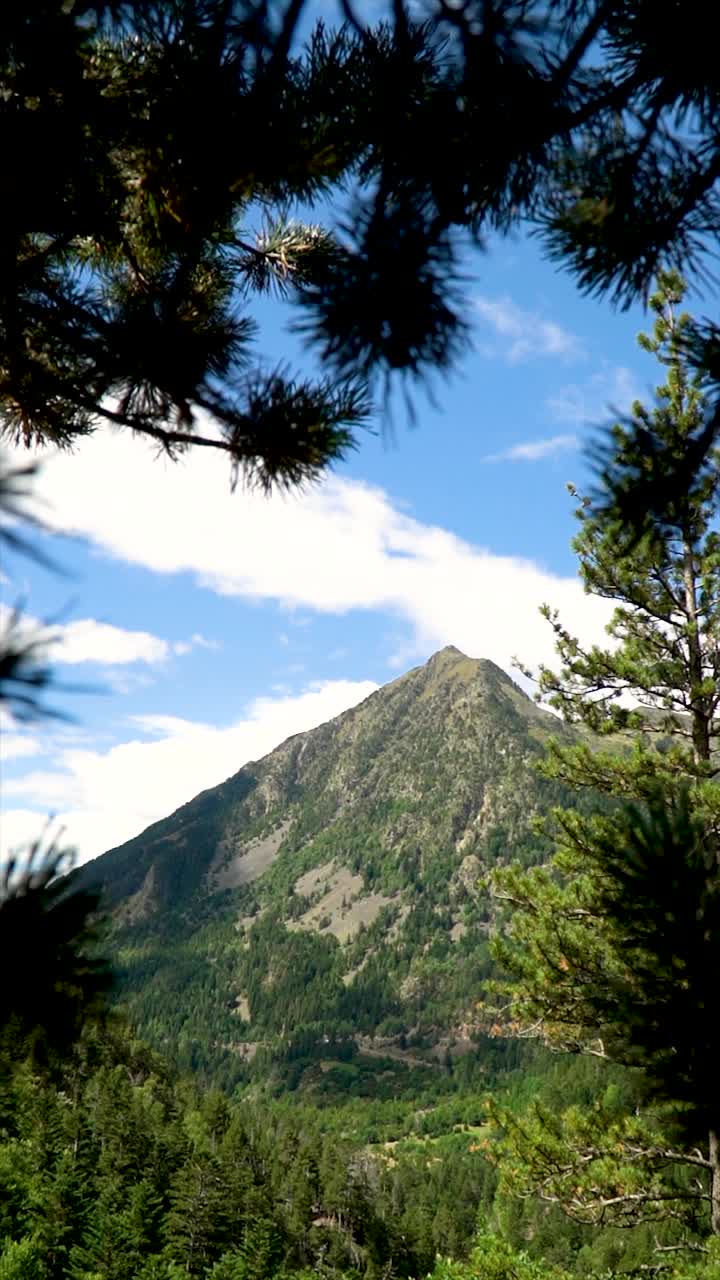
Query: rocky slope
330 892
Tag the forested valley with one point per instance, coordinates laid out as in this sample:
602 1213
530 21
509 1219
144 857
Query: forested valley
113 1167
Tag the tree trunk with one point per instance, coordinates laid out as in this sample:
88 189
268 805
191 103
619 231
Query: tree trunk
699 711
714 1154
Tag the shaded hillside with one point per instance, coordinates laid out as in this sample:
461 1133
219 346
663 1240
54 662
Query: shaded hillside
326 898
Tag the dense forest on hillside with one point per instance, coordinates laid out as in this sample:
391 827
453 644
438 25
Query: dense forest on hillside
111 1167
330 894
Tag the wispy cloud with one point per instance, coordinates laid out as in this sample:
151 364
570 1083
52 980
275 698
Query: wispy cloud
16 746
593 401
535 450
103 796
196 641
526 335
87 640
339 547
16 741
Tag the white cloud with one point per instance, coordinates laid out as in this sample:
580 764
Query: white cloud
126 680
337 547
103 797
20 828
526 335
592 402
535 450
90 641
196 641
16 746
87 640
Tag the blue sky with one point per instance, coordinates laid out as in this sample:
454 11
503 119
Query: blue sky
207 626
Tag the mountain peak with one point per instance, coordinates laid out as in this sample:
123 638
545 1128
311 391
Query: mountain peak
450 651
453 663
330 864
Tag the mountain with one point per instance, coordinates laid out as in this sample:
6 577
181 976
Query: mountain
325 903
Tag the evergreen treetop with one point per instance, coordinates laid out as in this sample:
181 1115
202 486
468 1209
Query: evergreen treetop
659 673
614 948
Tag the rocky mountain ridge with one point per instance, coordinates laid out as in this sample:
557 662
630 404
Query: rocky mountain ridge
330 892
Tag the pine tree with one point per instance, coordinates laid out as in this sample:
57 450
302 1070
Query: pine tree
258 1257
614 948
60 981
169 142
22 1260
128 259
198 1225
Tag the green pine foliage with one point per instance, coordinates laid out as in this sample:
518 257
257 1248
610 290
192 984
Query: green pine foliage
612 948
494 1259
174 147
56 980
142 237
116 1170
